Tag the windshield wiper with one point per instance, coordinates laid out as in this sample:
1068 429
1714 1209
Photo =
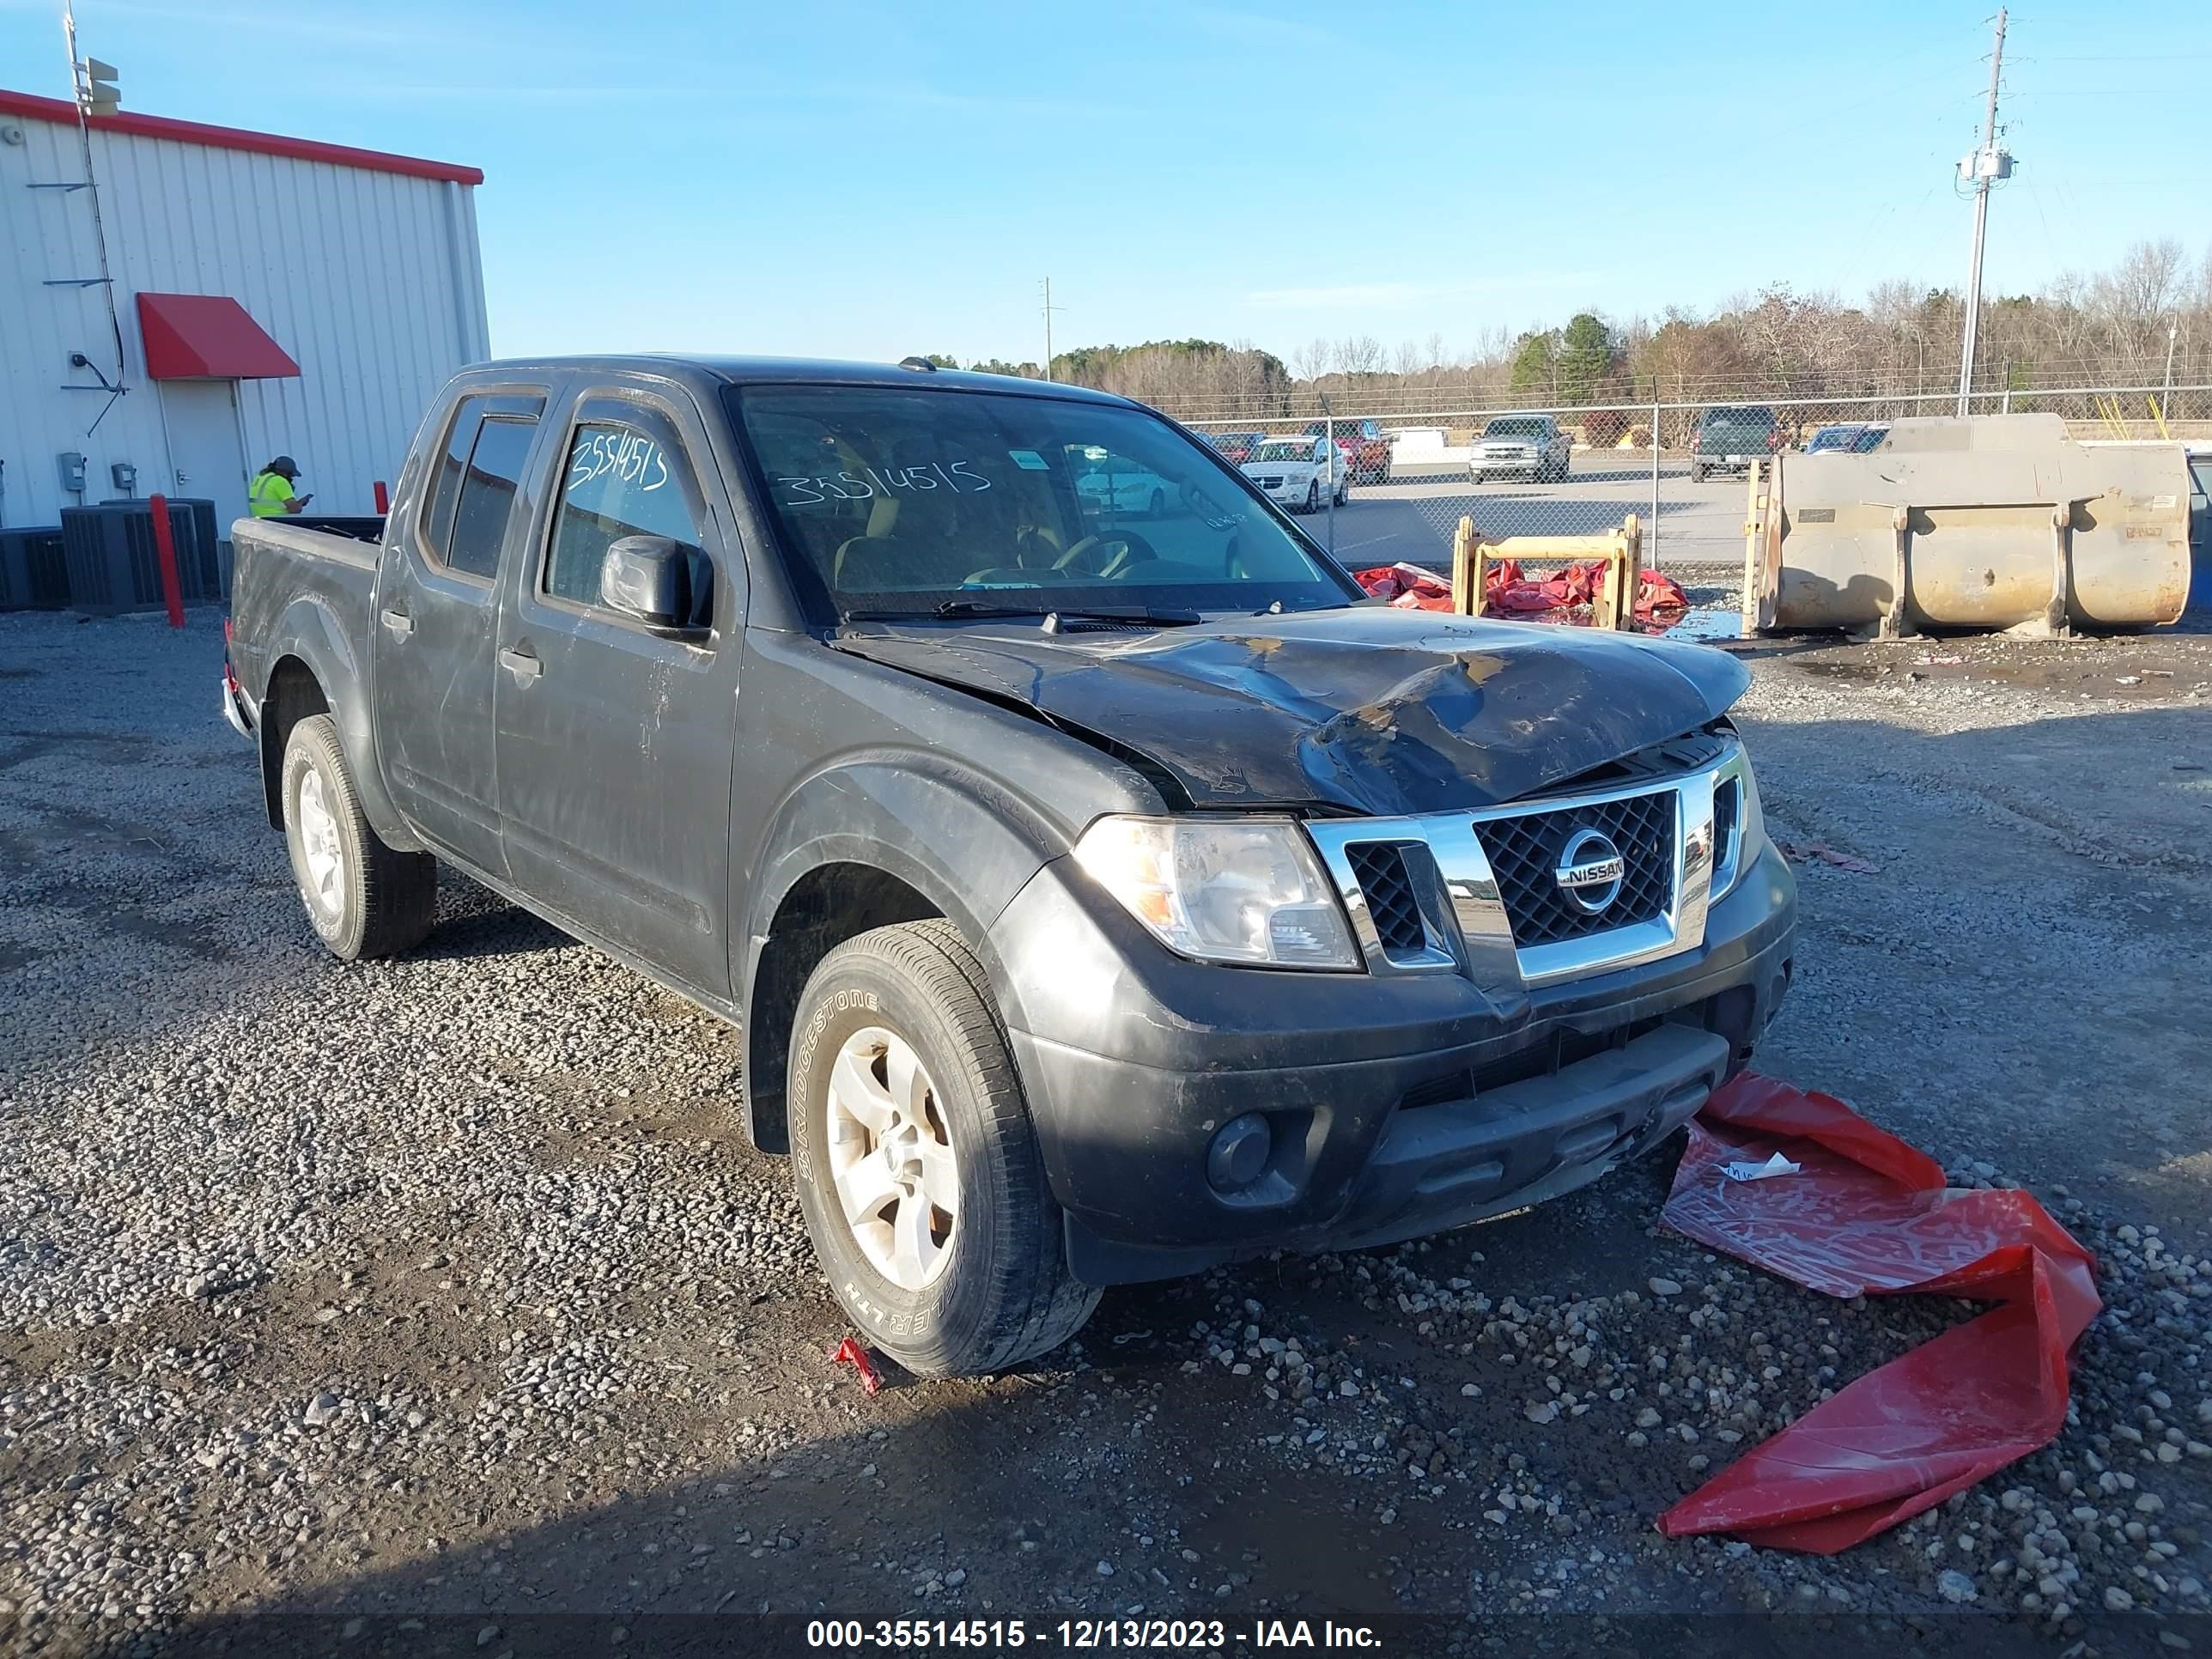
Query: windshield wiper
1050 613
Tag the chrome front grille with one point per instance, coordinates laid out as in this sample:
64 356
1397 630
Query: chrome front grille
1482 893
1524 854
1380 869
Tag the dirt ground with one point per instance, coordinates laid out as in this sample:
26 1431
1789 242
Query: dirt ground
439 1304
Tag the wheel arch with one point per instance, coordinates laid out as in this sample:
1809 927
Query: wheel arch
316 670
861 846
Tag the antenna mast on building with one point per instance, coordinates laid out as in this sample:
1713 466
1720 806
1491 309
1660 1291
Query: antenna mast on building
1982 169
96 94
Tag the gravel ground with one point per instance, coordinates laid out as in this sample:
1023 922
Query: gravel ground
444 1290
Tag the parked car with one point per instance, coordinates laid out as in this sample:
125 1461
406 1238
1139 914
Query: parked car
1851 437
1363 445
1730 439
1091 905
1528 446
1108 486
1299 473
1237 445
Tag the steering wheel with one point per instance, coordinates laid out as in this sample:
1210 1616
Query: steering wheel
1129 548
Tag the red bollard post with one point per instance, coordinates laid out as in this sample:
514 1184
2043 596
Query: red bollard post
382 498
165 549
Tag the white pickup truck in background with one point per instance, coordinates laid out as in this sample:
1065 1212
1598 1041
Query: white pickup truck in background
1524 446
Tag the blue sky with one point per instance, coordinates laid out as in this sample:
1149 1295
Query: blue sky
865 181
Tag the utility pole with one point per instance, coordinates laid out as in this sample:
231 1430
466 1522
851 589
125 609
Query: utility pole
1048 309
1983 168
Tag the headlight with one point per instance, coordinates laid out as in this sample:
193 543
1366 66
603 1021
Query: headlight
1222 889
1750 835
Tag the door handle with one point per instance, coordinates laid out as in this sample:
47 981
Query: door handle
398 624
522 663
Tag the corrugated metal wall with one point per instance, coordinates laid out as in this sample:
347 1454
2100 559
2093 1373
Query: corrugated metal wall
371 281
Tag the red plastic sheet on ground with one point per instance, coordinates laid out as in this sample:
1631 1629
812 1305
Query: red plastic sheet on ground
850 1352
1407 586
1870 1214
1506 593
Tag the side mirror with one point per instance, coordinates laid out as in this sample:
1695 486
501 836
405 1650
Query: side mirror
646 577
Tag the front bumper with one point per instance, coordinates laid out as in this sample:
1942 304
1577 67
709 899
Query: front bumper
1497 467
1398 1105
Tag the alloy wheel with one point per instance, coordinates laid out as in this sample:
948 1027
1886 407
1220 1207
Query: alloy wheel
890 1157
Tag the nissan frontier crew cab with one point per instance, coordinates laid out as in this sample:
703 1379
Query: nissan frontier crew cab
1101 890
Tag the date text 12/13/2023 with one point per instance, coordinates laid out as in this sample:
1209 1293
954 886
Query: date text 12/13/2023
1187 1635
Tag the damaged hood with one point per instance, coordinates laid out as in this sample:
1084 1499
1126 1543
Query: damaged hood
1371 709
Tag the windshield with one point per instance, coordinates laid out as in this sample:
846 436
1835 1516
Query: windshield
1514 429
1284 449
895 501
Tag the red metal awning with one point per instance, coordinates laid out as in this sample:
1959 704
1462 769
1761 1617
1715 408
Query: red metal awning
204 336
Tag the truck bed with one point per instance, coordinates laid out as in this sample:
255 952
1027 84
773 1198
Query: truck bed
278 562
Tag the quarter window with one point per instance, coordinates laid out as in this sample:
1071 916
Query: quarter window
625 476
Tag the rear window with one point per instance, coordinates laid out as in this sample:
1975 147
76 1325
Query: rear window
465 518
487 495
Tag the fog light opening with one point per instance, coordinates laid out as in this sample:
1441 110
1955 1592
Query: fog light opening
1240 1153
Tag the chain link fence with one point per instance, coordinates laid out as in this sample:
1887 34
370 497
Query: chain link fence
1680 466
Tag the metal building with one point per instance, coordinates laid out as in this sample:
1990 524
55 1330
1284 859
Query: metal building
202 299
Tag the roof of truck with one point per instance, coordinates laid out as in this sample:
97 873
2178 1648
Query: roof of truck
804 371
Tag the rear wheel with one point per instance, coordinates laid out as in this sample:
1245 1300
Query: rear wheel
1697 473
364 899
917 1168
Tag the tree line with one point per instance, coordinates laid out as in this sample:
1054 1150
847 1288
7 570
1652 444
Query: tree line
2112 328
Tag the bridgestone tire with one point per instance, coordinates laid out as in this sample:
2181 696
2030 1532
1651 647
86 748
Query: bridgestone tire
1005 1294
385 901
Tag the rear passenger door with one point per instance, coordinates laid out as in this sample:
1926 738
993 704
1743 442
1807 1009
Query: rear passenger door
432 637
615 739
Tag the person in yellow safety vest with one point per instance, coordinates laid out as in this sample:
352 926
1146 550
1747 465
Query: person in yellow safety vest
271 497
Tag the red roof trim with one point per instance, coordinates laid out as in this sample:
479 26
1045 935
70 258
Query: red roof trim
199 336
61 110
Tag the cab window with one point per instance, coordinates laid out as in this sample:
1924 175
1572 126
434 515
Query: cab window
626 474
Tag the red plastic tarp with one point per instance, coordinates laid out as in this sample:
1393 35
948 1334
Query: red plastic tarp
1870 1214
1506 593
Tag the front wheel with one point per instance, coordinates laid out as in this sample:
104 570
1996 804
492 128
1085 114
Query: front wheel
1313 496
364 899
1158 506
917 1168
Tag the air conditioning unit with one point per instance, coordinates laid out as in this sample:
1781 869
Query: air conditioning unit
114 567
33 570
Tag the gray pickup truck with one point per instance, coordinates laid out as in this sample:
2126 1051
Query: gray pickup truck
1099 896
